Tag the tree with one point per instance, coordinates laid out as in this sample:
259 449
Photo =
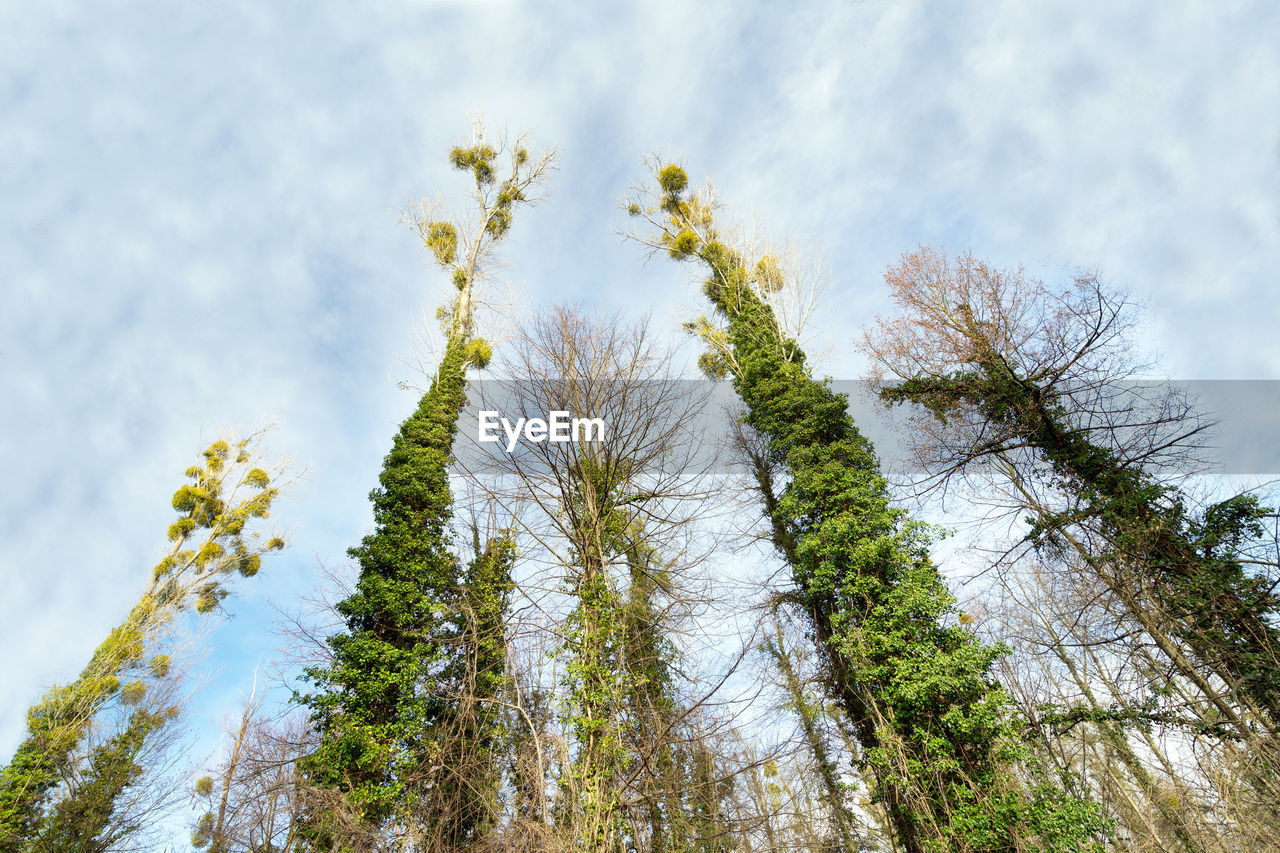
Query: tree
935 732
1084 669
1019 360
612 520
51 789
254 800
394 685
1034 387
810 713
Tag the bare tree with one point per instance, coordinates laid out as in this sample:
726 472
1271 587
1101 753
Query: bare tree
612 526
253 800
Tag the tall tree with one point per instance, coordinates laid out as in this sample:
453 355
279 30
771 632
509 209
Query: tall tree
393 693
50 789
1084 668
1035 386
934 730
992 350
613 515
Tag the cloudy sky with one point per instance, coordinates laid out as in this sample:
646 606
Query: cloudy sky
198 222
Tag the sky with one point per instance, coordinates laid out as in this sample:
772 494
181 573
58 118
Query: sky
199 202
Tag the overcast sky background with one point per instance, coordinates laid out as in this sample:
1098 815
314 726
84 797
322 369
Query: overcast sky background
198 223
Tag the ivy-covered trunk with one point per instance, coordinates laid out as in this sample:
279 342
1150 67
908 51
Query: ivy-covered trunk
1189 567
936 732
379 712
596 694
407 710
1185 570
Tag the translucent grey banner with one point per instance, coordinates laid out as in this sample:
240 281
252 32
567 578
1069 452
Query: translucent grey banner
548 420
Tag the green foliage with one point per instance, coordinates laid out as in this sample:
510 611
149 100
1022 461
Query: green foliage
204 831
442 240
133 692
596 692
713 365
406 709
478 158
209 596
479 353
768 275
614 675
80 823
1193 564
180 529
673 181
214 505
499 222
371 714
937 735
416 624
683 244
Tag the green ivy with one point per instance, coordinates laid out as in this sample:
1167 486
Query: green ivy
406 710
938 736
1192 564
